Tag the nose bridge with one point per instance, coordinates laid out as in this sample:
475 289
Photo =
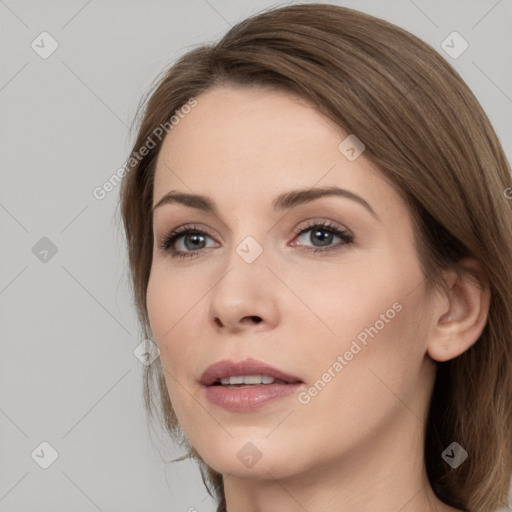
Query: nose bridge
245 268
248 241
245 287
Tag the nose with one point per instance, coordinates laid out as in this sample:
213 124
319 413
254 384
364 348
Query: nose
245 297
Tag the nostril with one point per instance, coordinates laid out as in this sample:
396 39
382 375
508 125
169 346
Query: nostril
255 319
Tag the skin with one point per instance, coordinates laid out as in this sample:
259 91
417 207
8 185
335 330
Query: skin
362 435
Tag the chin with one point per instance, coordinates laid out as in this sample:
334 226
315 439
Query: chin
252 457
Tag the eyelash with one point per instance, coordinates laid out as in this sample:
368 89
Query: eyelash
168 240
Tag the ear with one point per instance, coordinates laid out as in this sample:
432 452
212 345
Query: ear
460 312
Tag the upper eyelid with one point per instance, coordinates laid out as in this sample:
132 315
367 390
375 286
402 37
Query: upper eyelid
310 223
326 224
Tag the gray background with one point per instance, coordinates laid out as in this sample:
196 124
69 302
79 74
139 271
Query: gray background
68 375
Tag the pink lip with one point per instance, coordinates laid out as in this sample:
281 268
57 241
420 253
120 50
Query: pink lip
243 399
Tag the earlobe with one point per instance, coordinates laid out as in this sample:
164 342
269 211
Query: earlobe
459 327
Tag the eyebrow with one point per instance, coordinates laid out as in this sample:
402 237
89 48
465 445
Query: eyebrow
284 201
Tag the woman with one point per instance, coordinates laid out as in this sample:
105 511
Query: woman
320 237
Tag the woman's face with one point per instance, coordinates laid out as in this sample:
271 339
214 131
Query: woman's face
346 314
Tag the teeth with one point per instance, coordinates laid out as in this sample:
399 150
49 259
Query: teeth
247 379
252 379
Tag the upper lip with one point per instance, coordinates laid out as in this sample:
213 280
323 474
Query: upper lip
230 368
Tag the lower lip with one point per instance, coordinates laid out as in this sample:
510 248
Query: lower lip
246 399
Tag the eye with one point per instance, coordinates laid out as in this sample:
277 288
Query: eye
188 241
322 235
185 241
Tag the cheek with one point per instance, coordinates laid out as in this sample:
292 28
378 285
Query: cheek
167 311
344 300
168 298
160 301
174 300
359 379
370 313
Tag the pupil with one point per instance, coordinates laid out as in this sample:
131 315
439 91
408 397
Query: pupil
322 236
195 238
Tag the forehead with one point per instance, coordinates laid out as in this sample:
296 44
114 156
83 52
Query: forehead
236 123
252 142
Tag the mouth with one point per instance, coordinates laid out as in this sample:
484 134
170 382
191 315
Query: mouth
248 381
246 385
249 372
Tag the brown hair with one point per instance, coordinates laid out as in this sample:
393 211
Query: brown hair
431 139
